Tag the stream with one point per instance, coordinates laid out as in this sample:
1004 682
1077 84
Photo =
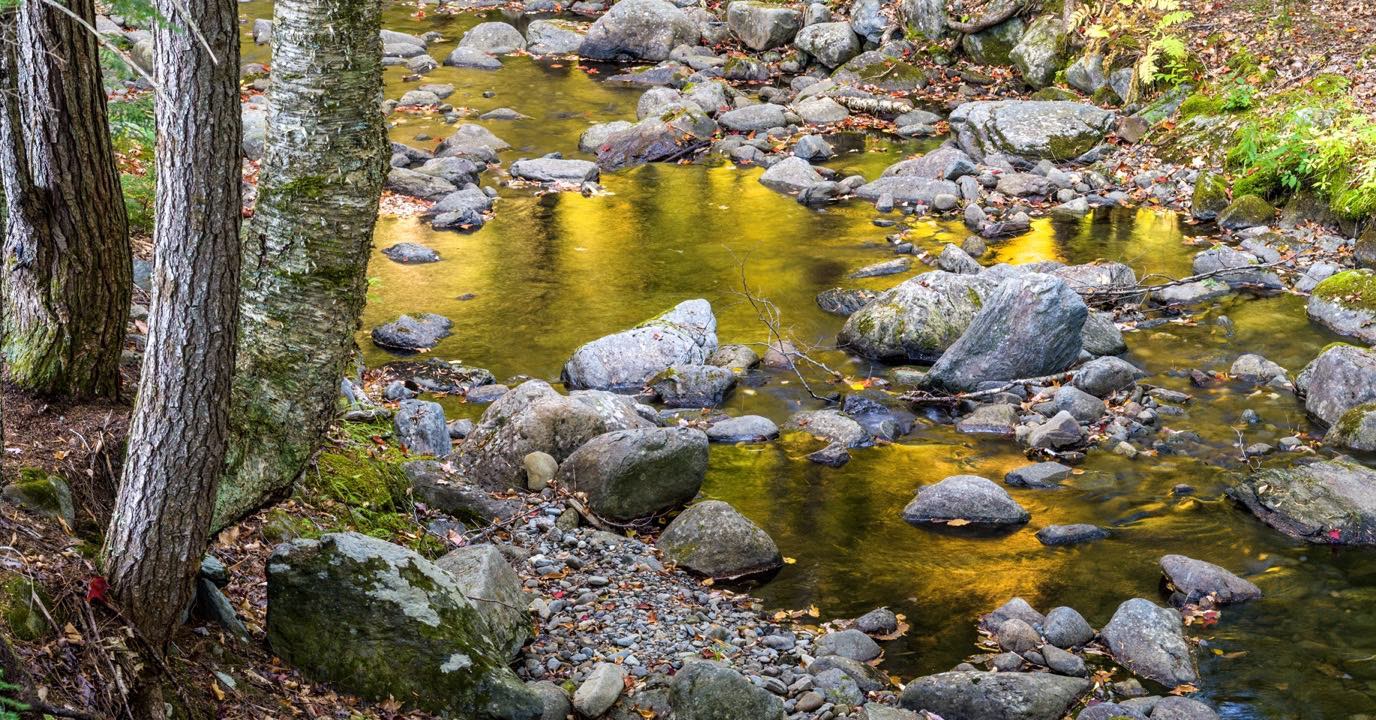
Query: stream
550 272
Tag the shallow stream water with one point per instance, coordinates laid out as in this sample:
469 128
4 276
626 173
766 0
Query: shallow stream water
551 272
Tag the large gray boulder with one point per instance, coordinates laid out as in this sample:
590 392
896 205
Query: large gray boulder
944 163
926 17
554 37
790 175
705 690
1041 51
410 333
754 118
1197 580
994 46
1319 501
631 474
1055 130
626 361
911 189
763 26
1341 378
917 320
831 43
1346 304
487 580
497 38
965 500
650 140
555 170
531 417
638 30
711 538
378 620
973 695
1029 327
1149 641
419 425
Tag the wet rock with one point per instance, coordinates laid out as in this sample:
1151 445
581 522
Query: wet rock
412 332
852 644
597 135
631 474
488 581
1210 196
1110 711
968 500
833 455
1319 501
1193 293
918 319
1104 376
832 425
1245 212
711 538
437 376
790 175
844 302
1181 708
1053 130
638 30
1038 475
995 696
1029 327
553 37
654 139
955 260
705 690
1236 268
911 189
1149 640
1059 535
685 335
1066 628
531 417
879 621
746 428
831 43
392 604
944 163
471 57
753 118
882 269
408 253
991 419
1256 369
419 425
1196 580
1063 663
1060 431
460 210
1346 304
457 171
1355 430
1341 378
1014 608
763 26
497 38
552 170
734 357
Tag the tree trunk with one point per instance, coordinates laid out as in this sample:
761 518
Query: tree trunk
66 259
177 437
306 255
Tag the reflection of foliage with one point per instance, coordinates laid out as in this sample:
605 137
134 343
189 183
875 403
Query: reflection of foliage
1142 31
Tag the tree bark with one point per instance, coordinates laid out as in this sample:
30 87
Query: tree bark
67 262
307 250
177 437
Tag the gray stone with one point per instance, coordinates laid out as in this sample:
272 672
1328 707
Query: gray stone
831 43
639 30
1038 475
1017 636
1197 580
1053 130
821 111
851 644
1087 74
408 253
1060 431
747 428
1104 376
485 578
1236 268
912 189
693 386
879 621
1014 608
599 690
1066 628
1341 378
1346 304
865 676
1059 535
882 269
1181 708
955 260
1245 212
471 57
1064 663
685 335
968 500
497 38
555 700
631 474
1319 501
994 45
790 175
990 419
1101 336
540 467
918 319
705 690
763 26
412 332
418 184
711 538
554 37
1110 711
552 170
419 425
469 134
1040 52
1149 641
832 425
1082 406
994 696
753 118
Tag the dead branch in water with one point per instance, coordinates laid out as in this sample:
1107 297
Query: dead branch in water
1142 289
926 397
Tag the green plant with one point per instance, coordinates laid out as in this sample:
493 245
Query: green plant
1239 97
9 706
1142 32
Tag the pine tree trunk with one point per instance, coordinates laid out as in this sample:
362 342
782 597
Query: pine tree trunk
306 256
66 259
178 434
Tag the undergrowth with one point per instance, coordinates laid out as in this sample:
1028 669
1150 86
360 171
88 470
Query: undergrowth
133 131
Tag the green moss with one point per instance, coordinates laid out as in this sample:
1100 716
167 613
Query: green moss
42 494
1349 426
1200 103
1350 288
19 606
1054 93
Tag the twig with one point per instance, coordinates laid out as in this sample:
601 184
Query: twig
587 514
1140 289
922 397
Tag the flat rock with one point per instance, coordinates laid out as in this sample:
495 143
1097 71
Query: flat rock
967 500
994 696
1320 501
1059 535
1038 475
1197 580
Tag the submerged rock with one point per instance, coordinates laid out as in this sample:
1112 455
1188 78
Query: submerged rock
1059 535
711 538
995 696
685 335
411 633
1320 501
631 474
1149 640
965 500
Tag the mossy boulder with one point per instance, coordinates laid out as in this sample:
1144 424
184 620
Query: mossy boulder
711 538
1346 304
1355 430
1246 211
995 45
378 620
1210 196
1329 502
1364 252
631 474
41 493
20 600
876 69
917 320
1040 53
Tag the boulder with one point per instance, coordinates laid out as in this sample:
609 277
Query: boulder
436 484
497 38
652 139
1355 430
1082 406
1059 535
1236 268
1040 52
1101 335
1245 212
1104 376
1066 628
944 163
910 189
927 18
460 210
1029 327
599 690
556 701
631 474
378 620
868 21
705 690
1038 475
763 26
1055 130
994 46
711 538
832 425
917 320
1319 501
1210 196
638 30
790 175
555 170
967 695
821 111
488 581
470 135
875 69
990 419
419 425
1174 707
693 386
471 57
409 253
831 43
1062 430
41 493
554 37
1149 641
1086 74
531 417
418 184
746 428
1197 580
753 118
965 500
852 644
437 376
410 333
844 301
626 361
1346 304
1341 378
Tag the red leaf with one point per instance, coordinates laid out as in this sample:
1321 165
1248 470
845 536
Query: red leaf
96 589
1335 534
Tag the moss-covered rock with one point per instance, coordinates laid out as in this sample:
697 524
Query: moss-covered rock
20 599
995 45
1210 196
1356 429
713 539
917 320
1040 54
379 620
1246 211
1346 304
876 69
1365 250
41 493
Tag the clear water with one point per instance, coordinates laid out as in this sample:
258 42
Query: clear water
551 272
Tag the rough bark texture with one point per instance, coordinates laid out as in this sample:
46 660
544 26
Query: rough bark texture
306 255
181 419
66 258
